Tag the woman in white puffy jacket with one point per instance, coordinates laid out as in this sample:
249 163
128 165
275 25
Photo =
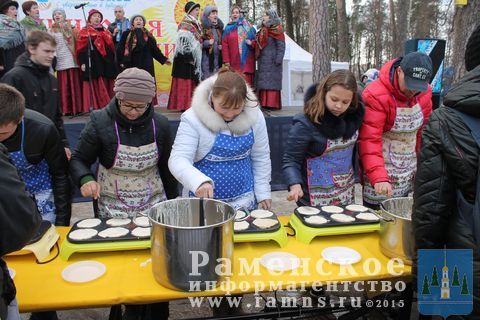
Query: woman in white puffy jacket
221 150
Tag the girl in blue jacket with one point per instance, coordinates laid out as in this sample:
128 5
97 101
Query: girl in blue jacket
318 159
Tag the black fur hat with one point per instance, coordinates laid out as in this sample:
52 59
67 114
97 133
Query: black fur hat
6 4
190 6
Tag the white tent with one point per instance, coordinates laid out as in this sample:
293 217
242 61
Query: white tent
297 73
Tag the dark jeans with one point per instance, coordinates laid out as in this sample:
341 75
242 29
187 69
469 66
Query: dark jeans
45 315
152 311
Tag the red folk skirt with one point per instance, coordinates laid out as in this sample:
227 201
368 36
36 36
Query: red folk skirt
270 99
250 78
102 93
69 87
181 93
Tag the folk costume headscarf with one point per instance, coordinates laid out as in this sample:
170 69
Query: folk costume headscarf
101 38
12 33
31 23
136 37
272 28
65 28
245 32
189 37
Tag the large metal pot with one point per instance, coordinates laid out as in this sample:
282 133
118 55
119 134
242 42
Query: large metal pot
188 236
396 236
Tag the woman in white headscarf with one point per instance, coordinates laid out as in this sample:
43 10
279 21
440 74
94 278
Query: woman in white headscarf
68 72
187 63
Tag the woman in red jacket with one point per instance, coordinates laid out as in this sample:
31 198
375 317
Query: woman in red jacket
397 106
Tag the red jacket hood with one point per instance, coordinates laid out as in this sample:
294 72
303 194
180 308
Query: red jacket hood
387 77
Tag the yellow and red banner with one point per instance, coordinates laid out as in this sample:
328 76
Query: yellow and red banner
162 17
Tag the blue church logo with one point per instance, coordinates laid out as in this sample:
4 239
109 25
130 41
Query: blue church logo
445 282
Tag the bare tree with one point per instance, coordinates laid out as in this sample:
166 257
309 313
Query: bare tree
254 10
401 26
239 3
464 22
319 38
301 14
357 27
424 16
377 7
342 28
289 15
393 24
332 28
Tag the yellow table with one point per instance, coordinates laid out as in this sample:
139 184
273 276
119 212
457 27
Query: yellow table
129 277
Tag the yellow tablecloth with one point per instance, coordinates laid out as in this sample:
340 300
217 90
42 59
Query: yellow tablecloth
129 279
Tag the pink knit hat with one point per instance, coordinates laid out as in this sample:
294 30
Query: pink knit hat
135 84
92 11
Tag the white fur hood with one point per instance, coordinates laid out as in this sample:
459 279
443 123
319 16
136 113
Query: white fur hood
213 121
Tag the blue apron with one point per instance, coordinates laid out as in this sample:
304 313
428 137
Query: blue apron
330 176
229 165
38 181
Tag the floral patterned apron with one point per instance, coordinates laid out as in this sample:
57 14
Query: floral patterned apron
133 184
399 154
330 176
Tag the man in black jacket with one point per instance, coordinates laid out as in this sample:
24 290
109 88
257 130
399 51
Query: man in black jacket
119 26
448 163
31 76
19 221
36 150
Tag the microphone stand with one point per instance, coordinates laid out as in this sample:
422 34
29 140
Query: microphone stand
89 57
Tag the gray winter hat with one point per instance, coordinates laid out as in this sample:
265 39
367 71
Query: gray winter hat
209 9
61 11
274 18
135 85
